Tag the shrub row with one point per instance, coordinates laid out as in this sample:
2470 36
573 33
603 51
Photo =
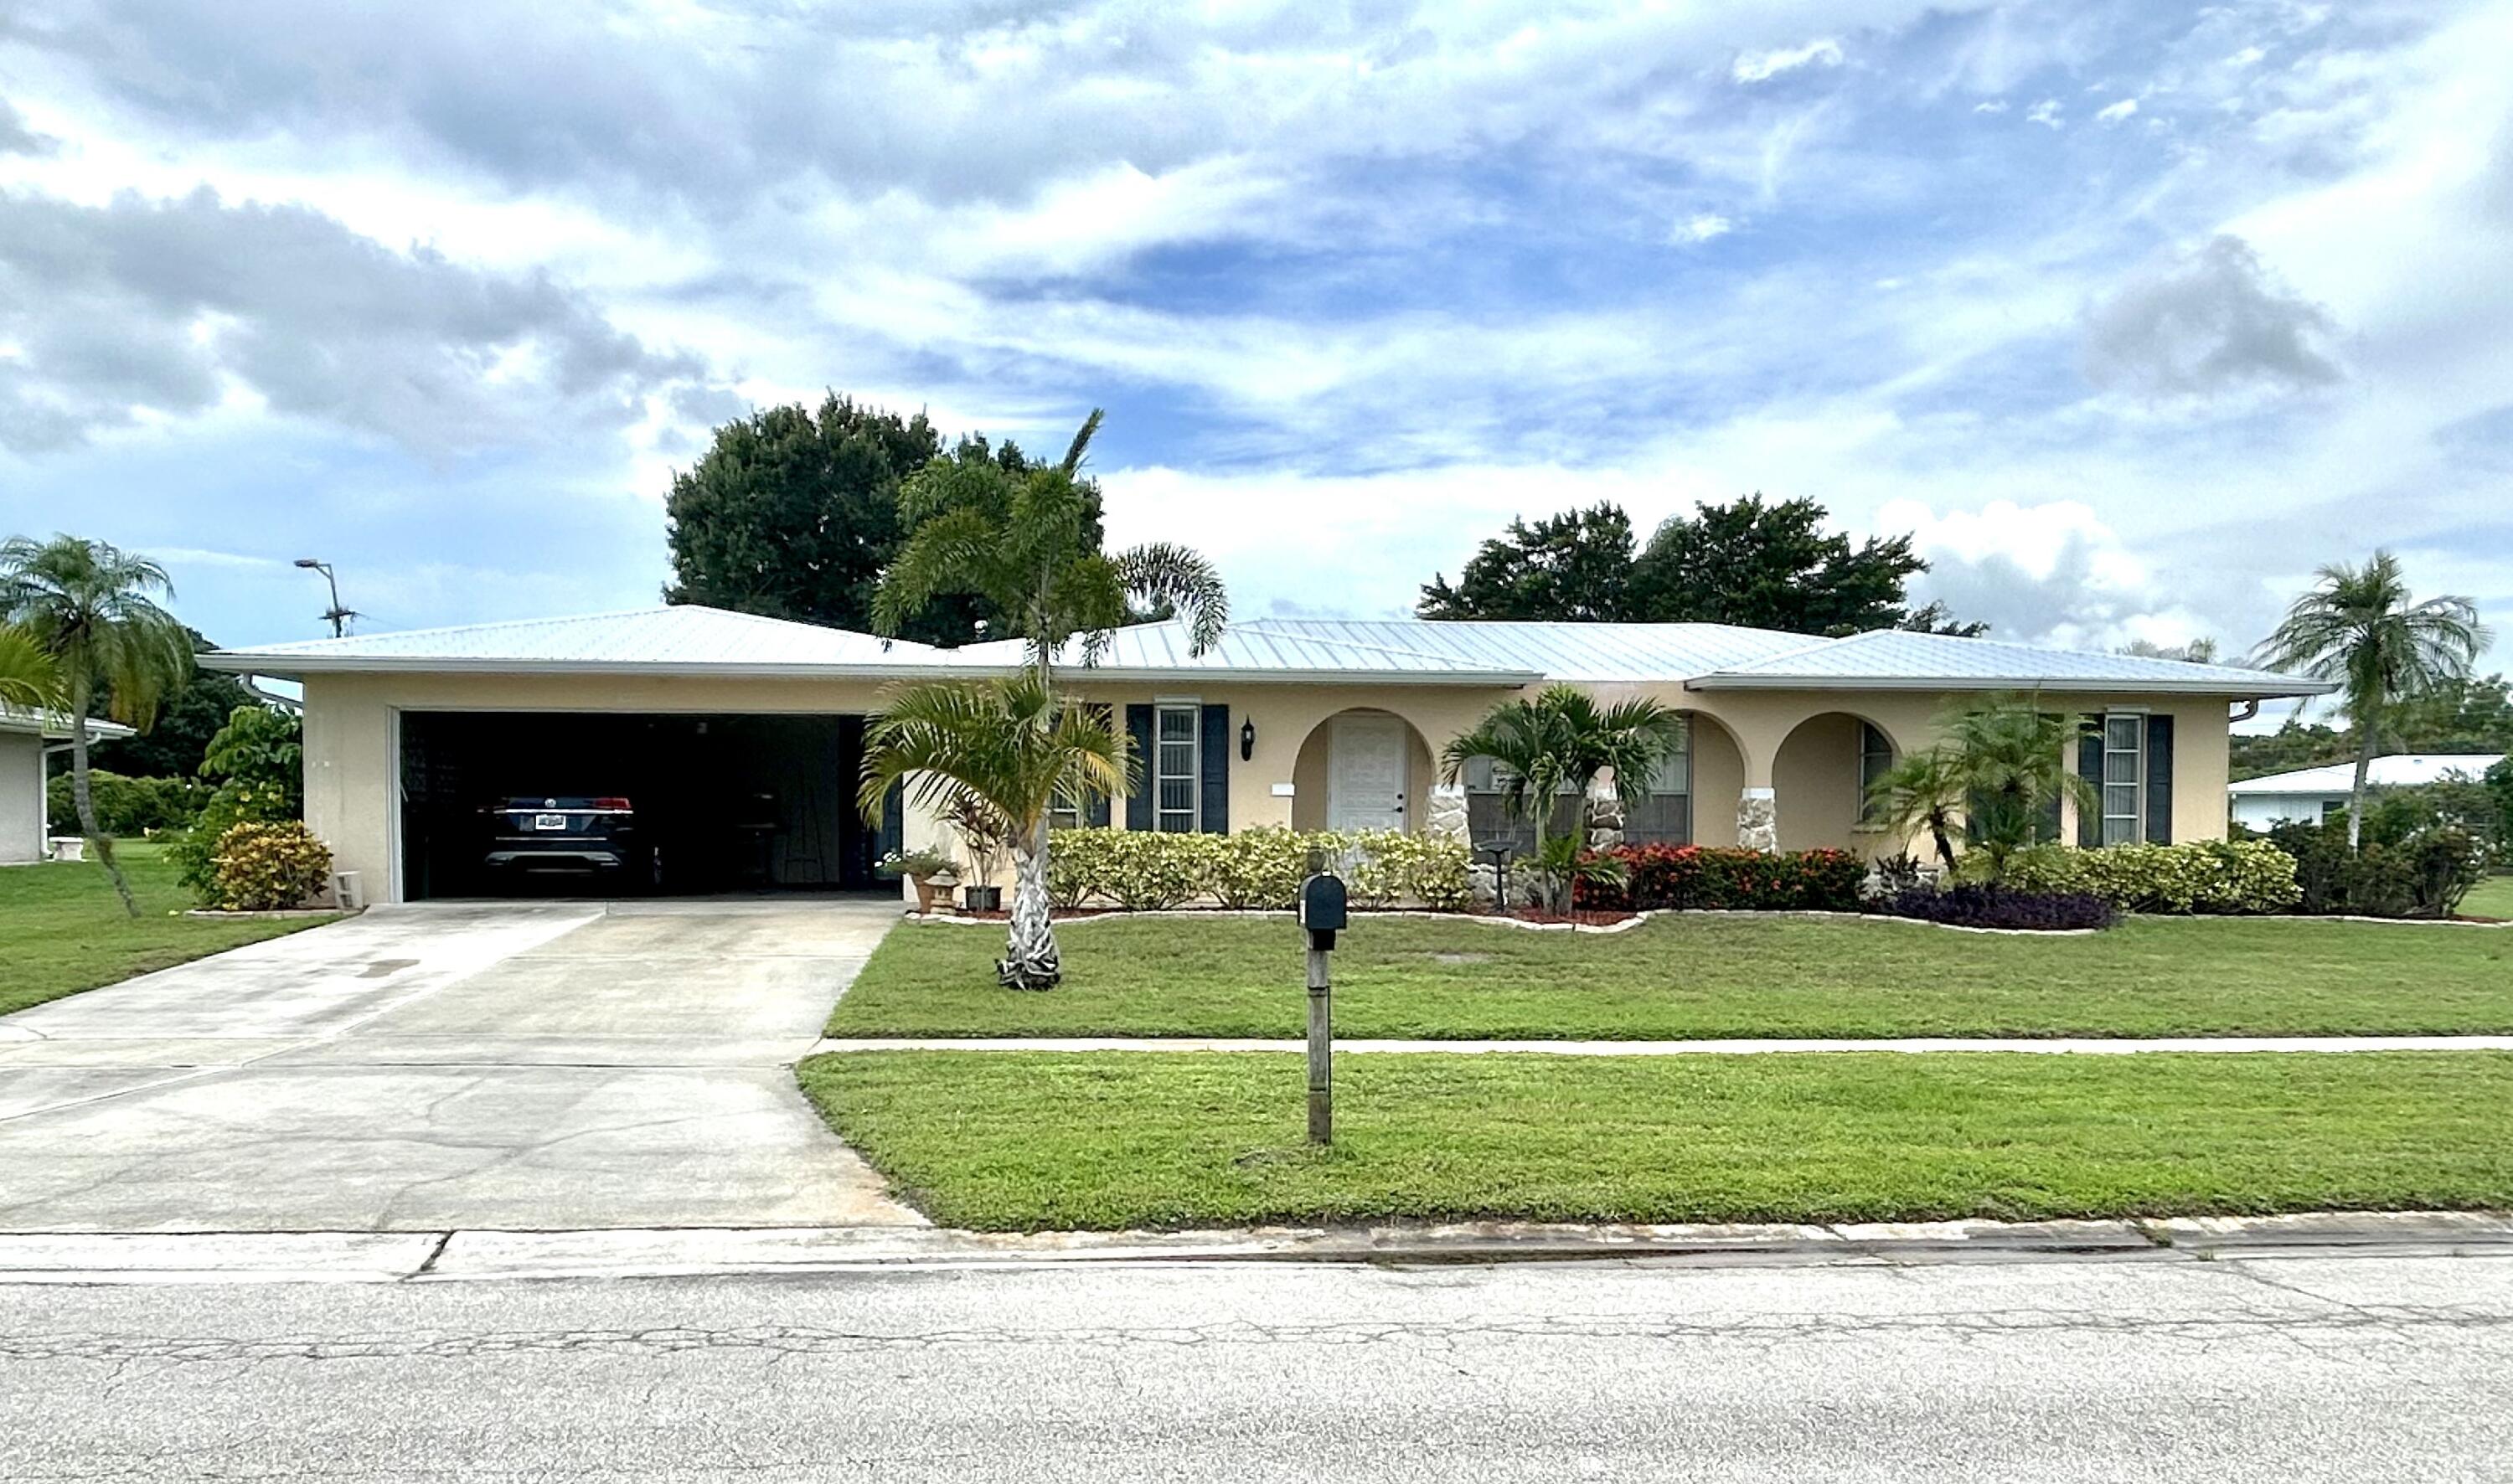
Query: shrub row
1729 879
125 805
2425 875
2213 877
1146 871
2007 906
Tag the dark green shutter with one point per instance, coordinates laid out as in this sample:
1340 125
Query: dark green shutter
2089 767
894 819
2159 780
2045 829
1215 785
1094 807
1138 803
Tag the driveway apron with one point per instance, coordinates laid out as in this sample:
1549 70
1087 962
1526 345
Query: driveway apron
517 1065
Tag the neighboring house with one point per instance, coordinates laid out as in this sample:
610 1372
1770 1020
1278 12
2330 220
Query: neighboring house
27 738
740 736
2313 793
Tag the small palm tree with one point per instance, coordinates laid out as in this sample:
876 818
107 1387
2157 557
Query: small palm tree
1028 542
1006 749
1558 744
2001 763
93 610
2359 627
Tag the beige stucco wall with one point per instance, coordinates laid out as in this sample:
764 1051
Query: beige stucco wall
1741 739
21 797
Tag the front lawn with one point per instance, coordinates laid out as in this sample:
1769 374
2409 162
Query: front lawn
2491 898
63 930
1021 1141
1691 977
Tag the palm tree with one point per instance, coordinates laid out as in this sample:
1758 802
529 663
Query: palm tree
1005 748
2002 762
1556 745
2359 627
1028 542
93 610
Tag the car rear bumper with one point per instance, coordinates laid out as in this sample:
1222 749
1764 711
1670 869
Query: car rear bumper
546 858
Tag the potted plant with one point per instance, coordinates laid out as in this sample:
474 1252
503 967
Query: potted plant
930 870
988 837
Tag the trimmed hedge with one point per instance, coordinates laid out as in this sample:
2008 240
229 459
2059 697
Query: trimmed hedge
125 805
2005 907
1728 878
2424 875
2205 876
1146 871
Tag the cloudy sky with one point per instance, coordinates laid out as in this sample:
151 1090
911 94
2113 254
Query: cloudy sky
2135 312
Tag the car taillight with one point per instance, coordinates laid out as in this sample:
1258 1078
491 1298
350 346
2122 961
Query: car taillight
619 805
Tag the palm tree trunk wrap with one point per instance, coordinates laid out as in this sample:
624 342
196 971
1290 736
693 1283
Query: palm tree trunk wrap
1029 961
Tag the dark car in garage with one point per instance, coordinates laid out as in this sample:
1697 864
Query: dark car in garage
578 835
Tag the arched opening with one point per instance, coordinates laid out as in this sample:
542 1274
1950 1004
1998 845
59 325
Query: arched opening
1820 777
1362 768
1714 776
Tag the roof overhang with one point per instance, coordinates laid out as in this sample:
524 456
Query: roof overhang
55 727
297 667
2070 684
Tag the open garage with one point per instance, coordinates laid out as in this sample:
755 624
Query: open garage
699 802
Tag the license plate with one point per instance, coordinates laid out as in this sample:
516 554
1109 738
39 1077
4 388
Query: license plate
549 821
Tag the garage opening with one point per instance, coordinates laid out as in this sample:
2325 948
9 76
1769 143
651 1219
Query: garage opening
498 803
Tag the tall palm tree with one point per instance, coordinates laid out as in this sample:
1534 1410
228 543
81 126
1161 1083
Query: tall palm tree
1026 540
92 608
1005 747
1028 543
2360 627
1558 744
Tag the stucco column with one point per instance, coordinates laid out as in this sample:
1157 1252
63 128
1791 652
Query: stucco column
1758 819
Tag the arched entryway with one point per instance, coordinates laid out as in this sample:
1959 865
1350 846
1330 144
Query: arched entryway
1819 780
1362 768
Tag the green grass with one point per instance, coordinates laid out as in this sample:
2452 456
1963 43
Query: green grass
63 930
2493 898
1688 977
1021 1141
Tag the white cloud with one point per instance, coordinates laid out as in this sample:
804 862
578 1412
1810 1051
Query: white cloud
2045 113
2118 113
1762 66
1701 226
1994 106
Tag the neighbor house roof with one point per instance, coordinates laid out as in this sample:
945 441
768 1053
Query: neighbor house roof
692 639
1897 659
53 726
2399 770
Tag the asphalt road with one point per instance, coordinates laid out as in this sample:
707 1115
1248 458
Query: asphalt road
2293 1368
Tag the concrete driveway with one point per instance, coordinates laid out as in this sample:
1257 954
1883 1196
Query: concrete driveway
520 1066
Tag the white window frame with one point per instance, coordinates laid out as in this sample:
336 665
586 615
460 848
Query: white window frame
1870 815
1192 816
2135 827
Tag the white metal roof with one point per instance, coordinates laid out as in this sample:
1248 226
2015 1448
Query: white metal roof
693 640
53 726
683 638
2399 770
1896 659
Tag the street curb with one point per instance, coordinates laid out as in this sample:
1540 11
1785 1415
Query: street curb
475 1255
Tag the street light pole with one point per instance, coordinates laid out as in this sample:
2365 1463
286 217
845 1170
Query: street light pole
337 616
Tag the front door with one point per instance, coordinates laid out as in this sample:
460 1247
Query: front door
1366 773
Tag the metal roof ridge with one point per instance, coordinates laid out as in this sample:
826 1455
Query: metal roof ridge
1376 648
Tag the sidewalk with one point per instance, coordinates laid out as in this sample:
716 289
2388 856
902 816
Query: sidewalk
2078 1045
393 1257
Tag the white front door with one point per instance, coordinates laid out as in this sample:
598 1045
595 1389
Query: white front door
1366 773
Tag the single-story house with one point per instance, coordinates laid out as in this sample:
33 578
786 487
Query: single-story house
27 739
740 736
2311 794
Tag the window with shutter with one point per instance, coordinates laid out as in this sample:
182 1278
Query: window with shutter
1178 766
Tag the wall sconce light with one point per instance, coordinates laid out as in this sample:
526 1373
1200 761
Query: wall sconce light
1247 740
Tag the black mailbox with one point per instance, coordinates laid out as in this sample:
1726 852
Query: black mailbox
1322 908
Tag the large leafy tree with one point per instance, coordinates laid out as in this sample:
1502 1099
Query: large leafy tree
1555 746
1572 565
1026 541
792 513
1749 562
93 608
2387 650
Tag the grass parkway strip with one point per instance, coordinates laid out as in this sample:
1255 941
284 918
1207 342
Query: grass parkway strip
1686 977
1027 1141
